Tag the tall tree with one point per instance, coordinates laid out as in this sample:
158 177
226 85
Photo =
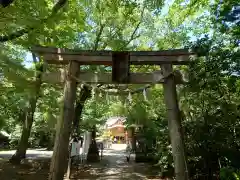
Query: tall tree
35 35
28 114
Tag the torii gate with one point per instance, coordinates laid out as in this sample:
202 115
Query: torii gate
120 62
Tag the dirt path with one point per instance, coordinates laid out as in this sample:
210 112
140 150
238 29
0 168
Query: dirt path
112 167
31 154
115 166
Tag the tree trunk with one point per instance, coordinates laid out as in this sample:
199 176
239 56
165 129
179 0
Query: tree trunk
84 95
134 140
69 163
28 121
93 153
64 125
174 124
51 141
23 143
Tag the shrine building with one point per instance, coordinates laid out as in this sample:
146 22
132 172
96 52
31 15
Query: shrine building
116 128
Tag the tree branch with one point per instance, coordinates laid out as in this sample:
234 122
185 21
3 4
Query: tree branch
26 30
98 37
135 30
133 35
97 40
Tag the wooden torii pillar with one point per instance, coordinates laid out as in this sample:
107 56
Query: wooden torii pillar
64 125
120 75
174 123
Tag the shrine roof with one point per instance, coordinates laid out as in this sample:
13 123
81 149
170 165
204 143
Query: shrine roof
112 120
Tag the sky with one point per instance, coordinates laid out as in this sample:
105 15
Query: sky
28 60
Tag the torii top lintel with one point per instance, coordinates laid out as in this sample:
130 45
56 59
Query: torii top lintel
62 56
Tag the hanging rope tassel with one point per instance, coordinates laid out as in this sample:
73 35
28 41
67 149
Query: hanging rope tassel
130 97
100 94
125 103
107 98
93 92
145 94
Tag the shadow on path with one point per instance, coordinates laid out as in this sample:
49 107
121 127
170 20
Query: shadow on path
115 166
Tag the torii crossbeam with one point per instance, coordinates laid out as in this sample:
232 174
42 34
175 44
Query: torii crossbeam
119 60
